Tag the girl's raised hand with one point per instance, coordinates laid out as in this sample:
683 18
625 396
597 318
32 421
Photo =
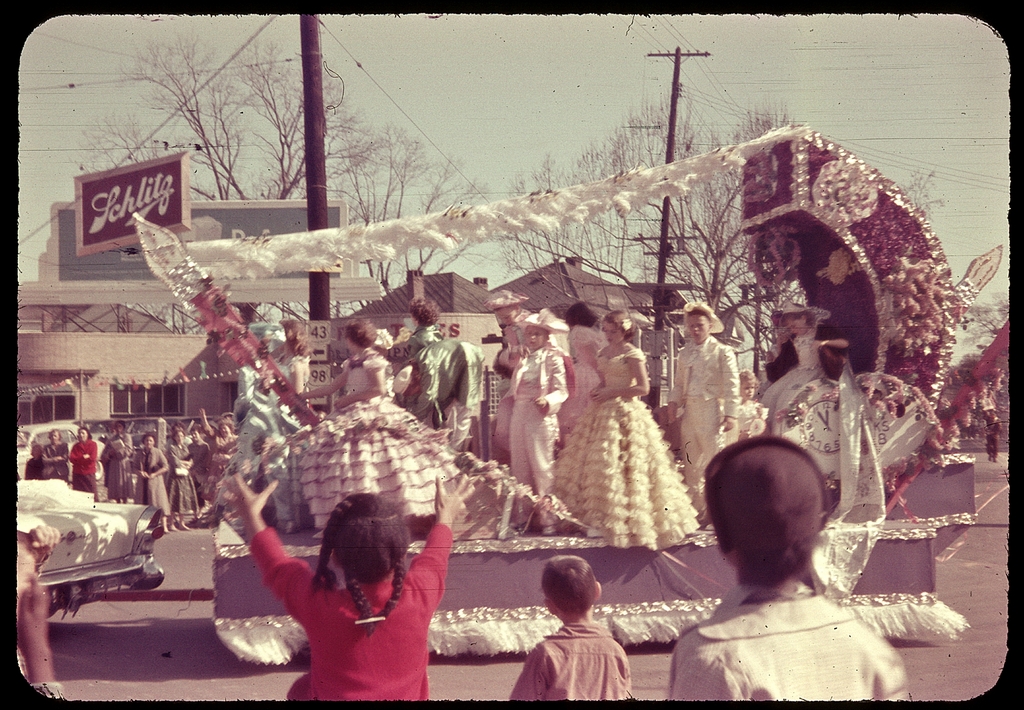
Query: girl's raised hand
450 505
247 503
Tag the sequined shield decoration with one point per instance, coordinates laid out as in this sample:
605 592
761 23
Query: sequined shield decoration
171 263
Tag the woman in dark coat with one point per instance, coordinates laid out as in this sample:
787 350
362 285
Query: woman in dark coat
117 465
151 489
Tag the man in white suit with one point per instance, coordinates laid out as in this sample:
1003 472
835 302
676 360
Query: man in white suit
705 396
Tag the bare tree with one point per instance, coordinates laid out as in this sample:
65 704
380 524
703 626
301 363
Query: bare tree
243 125
600 244
709 250
390 177
264 72
919 190
984 319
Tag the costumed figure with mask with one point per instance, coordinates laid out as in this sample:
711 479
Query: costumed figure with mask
263 453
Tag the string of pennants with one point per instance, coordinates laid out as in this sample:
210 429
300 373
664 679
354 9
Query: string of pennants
131 382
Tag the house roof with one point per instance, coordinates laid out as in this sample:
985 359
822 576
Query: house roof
451 292
561 284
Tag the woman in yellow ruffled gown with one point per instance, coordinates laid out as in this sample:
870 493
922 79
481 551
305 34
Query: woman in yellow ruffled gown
616 473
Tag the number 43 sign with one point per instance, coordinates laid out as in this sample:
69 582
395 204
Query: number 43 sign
319 332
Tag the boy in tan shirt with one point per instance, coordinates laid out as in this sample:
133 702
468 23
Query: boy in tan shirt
581 661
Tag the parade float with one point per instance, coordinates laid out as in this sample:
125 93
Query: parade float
818 216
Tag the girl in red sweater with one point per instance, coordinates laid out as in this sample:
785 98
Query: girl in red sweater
368 640
83 458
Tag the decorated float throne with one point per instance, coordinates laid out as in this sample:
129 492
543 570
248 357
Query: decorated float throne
859 249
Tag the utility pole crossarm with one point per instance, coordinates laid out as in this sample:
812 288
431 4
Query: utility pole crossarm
661 297
682 54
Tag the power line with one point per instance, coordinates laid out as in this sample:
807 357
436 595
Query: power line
148 138
404 113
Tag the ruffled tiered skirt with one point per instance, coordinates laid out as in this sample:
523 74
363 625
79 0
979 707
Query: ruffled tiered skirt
617 475
374 447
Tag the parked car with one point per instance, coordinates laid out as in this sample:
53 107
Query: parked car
30 434
103 546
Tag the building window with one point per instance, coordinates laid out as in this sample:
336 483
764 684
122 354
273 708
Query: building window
144 401
43 408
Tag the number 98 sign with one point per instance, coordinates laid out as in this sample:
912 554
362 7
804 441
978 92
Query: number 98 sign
319 375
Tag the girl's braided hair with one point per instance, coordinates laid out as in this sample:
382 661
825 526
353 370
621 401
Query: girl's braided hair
368 538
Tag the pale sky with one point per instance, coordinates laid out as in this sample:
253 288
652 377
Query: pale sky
927 93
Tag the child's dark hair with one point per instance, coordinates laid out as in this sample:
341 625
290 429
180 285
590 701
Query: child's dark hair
424 311
765 497
361 332
569 582
580 314
369 538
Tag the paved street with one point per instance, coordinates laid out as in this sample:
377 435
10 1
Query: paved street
169 651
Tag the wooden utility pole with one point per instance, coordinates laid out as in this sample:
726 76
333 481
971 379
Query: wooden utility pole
316 164
661 299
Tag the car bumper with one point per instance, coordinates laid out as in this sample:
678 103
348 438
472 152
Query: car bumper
71 588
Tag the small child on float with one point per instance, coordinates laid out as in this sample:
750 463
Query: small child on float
581 661
751 415
367 639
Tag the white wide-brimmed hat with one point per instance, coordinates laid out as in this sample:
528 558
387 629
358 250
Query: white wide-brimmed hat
703 309
505 298
791 307
546 320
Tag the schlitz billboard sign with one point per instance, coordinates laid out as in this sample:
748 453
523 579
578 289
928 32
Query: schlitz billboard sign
104 202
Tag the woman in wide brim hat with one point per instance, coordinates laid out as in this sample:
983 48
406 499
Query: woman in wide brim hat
505 299
547 320
814 314
507 307
508 310
540 385
703 309
807 350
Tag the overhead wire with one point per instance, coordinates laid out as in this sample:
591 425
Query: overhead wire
146 140
401 110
